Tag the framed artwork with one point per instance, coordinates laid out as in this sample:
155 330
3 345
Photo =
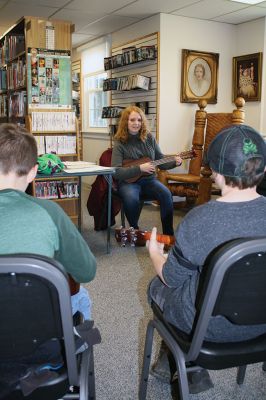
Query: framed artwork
199 76
247 71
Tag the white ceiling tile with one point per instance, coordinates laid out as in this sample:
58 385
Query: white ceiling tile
3 29
106 6
78 39
145 8
209 9
15 11
263 4
79 19
109 24
46 3
242 15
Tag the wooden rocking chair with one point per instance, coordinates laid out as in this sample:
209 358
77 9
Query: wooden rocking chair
196 185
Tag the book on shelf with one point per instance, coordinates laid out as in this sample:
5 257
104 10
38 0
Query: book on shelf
56 144
53 121
130 55
129 82
56 189
17 103
3 105
3 79
40 140
112 111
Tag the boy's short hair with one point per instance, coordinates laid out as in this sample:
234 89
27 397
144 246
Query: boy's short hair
18 150
239 154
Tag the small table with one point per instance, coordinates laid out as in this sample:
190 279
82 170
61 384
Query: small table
107 172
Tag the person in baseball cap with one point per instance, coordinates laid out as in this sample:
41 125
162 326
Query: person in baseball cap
237 158
239 154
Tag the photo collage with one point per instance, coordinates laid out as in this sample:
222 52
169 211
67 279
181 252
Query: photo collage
47 72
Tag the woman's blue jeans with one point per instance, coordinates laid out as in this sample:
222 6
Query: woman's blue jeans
147 188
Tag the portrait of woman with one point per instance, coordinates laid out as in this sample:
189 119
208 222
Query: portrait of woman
199 77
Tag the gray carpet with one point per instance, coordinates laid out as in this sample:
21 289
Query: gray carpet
121 313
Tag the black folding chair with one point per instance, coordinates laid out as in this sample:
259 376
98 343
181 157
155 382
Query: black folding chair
35 309
234 286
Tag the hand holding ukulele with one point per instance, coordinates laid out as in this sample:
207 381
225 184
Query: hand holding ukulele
147 168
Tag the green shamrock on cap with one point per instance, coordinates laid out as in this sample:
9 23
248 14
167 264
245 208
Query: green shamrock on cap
249 147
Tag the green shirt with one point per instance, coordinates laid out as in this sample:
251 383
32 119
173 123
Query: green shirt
37 226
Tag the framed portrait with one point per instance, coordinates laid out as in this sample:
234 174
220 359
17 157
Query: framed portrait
247 72
199 76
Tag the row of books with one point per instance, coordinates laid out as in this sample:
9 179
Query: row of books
17 104
16 74
130 82
56 189
53 121
111 112
3 79
130 55
60 144
11 47
3 105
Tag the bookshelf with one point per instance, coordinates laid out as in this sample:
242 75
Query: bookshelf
35 91
20 80
133 80
57 132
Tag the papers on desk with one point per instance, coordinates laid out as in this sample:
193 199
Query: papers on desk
84 166
78 164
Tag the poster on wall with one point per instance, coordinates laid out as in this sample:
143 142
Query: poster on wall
49 78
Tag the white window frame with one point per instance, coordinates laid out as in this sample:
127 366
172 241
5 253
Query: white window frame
88 107
92 56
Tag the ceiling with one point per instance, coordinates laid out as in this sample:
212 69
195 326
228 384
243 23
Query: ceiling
95 18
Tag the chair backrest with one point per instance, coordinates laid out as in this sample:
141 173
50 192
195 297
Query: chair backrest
233 285
35 308
207 125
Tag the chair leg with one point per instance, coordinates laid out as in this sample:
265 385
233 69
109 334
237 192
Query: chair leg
146 361
87 378
179 359
123 218
241 372
91 379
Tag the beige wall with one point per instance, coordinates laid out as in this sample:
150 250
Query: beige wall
176 119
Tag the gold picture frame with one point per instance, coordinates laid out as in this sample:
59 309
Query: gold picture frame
199 76
247 70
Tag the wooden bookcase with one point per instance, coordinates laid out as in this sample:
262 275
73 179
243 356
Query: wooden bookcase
65 143
35 80
29 32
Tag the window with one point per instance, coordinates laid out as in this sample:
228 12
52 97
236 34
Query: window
94 99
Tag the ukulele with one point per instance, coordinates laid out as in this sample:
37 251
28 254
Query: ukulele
129 162
137 237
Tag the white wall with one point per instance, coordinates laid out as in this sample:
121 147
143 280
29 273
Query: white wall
176 119
142 28
177 33
250 38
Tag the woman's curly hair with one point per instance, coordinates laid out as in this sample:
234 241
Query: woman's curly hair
122 131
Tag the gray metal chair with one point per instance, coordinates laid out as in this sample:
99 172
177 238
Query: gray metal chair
35 309
233 286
